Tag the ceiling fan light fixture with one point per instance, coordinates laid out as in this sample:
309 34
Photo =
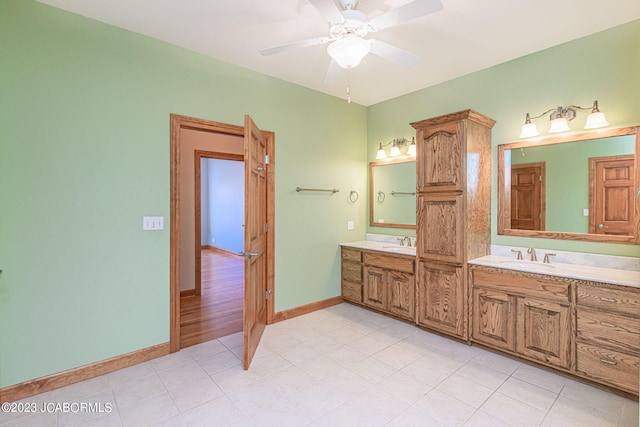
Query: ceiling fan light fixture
349 51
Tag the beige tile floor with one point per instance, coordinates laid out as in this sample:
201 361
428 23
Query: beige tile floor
342 366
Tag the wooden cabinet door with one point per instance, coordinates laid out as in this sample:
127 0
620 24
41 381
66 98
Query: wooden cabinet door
440 297
401 294
439 159
440 227
374 289
543 331
493 318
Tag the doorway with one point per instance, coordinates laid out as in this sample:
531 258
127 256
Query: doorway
230 141
611 195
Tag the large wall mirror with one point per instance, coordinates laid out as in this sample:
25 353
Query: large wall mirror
578 187
392 193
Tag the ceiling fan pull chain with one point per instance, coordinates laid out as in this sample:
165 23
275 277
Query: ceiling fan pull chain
348 88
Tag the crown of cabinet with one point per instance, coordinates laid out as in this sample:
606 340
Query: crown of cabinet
471 115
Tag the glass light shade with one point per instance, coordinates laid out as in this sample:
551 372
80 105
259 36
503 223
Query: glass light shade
529 130
395 151
412 149
559 124
381 153
596 120
349 51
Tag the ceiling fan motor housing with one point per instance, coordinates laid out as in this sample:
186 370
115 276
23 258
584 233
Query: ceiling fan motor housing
355 23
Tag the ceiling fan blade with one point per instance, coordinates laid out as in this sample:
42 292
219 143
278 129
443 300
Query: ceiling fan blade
394 54
328 9
412 10
333 72
294 45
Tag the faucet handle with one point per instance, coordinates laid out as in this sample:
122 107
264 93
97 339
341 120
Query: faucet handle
401 240
546 257
516 251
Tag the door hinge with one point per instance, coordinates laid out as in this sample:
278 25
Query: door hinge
266 227
540 178
266 293
266 159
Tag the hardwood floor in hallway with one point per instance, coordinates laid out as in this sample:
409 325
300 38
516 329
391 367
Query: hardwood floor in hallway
218 311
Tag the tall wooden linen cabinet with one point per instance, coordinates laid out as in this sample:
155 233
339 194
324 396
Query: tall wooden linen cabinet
453 215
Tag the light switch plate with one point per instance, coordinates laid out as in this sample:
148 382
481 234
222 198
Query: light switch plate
350 225
153 223
585 212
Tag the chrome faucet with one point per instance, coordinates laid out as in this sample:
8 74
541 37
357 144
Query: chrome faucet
532 252
407 239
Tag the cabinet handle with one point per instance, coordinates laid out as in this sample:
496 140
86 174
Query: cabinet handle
609 325
519 309
607 299
608 362
509 307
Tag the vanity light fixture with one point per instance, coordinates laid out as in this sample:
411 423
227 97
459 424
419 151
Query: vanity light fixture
560 118
396 144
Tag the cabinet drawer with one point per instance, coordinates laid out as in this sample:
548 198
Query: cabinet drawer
352 291
350 254
352 271
383 260
533 285
615 368
609 329
610 299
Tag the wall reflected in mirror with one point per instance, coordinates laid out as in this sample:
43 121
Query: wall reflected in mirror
392 193
580 187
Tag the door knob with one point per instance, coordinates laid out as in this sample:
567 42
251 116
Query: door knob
601 226
249 254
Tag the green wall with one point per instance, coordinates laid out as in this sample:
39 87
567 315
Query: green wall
604 66
84 155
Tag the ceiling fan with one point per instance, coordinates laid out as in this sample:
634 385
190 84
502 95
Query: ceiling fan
349 27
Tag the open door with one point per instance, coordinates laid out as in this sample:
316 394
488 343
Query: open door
528 207
255 241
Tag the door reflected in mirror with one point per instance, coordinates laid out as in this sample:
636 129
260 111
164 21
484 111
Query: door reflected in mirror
580 187
392 193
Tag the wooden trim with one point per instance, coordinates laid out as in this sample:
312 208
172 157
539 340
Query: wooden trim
271 221
306 309
455 117
188 293
71 376
219 250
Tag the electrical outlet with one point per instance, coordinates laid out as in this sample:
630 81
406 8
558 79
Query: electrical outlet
350 225
585 212
153 223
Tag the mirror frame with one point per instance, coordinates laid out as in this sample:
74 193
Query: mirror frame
372 222
504 187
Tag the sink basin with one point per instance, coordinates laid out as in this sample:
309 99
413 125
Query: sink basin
526 264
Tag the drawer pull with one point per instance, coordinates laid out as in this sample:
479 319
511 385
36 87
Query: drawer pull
608 325
608 362
607 299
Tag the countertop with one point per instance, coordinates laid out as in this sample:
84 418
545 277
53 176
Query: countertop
382 247
573 271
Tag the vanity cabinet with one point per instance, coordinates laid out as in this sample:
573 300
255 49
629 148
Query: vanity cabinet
608 334
453 167
351 268
524 313
389 283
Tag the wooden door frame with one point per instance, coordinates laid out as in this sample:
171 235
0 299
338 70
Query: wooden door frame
198 156
178 123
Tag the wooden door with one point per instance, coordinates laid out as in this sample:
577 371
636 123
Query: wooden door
439 164
493 319
255 280
440 297
611 195
374 288
543 331
401 294
528 196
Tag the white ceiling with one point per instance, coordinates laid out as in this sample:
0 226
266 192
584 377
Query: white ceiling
466 36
